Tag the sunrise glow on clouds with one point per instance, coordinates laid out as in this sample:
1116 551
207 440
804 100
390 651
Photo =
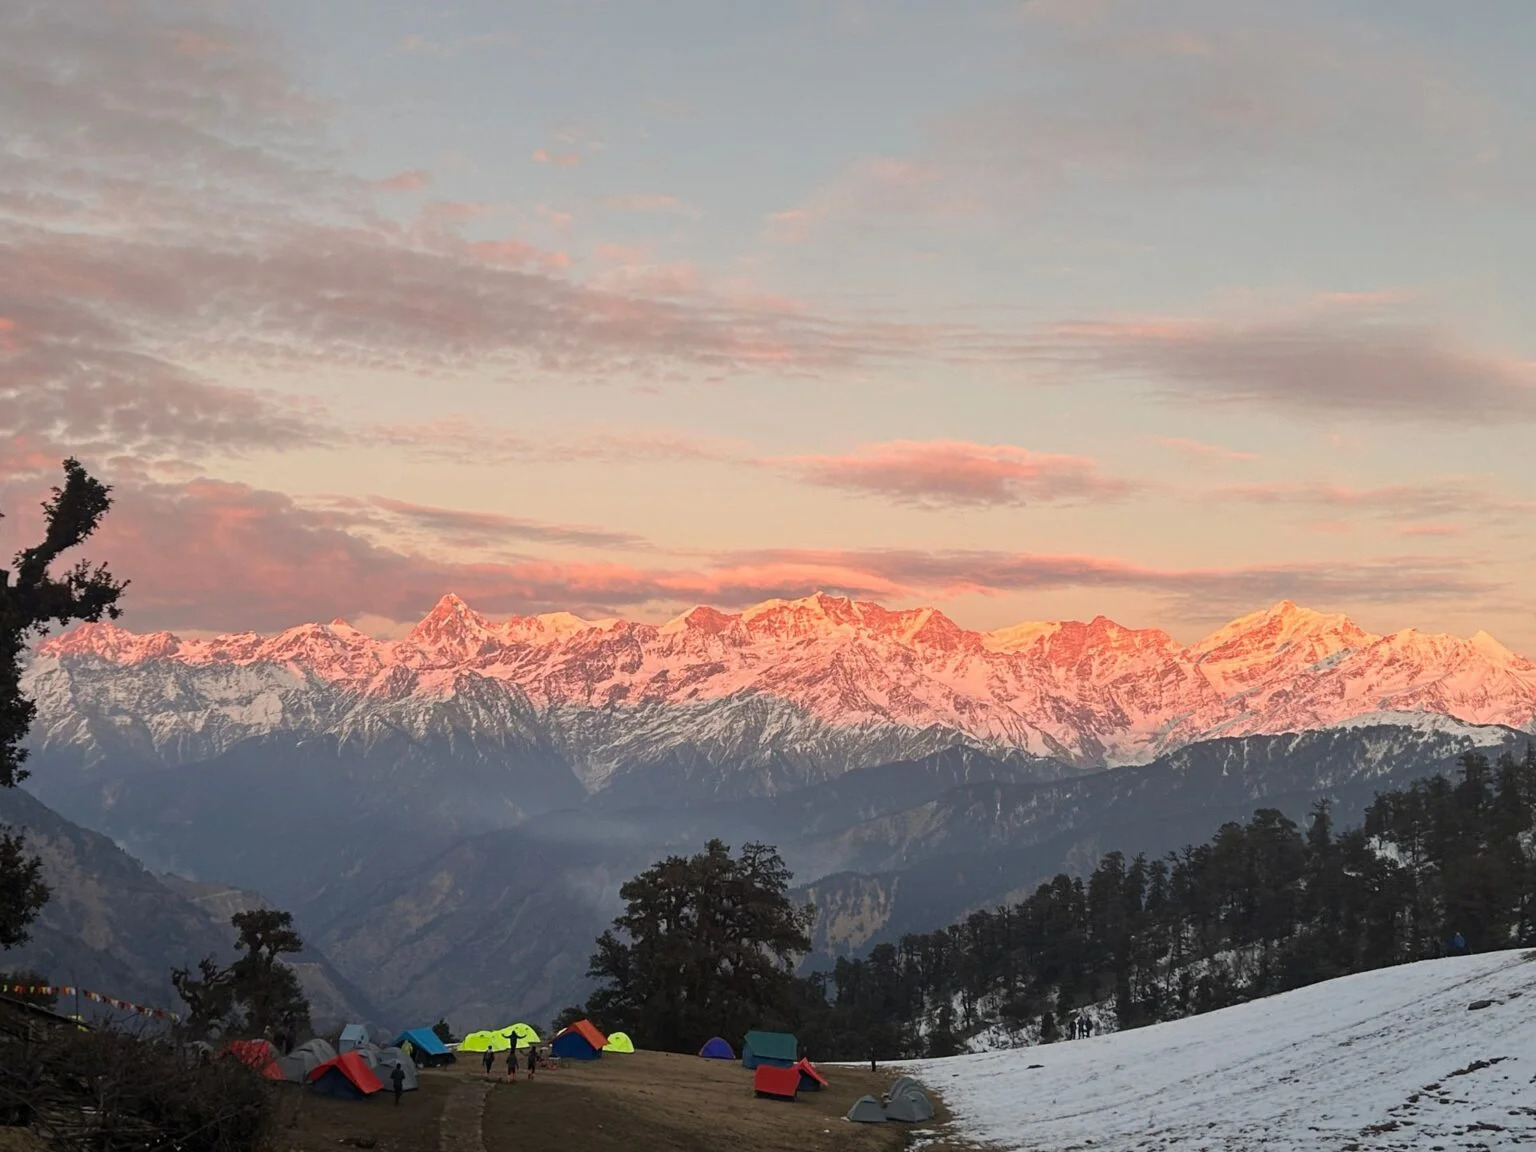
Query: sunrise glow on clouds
1032 310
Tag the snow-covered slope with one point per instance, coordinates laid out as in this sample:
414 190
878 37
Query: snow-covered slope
802 690
1392 1059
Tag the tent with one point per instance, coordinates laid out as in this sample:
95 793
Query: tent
619 1042
258 1056
351 1036
427 1047
347 1076
389 1060
900 1085
298 1064
581 1041
911 1104
776 1049
716 1049
866 1110
776 1083
369 1052
525 1034
810 1079
485 1042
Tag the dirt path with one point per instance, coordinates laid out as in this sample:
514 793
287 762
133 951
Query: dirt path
460 1128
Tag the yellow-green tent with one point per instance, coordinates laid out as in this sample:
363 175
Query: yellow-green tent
619 1042
485 1042
525 1033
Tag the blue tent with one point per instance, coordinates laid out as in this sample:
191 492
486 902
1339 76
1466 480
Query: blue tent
351 1036
581 1041
426 1047
775 1049
716 1049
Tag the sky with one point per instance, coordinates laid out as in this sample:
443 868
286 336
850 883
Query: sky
1032 310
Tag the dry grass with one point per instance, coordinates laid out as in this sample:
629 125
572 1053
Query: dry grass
660 1100
310 1122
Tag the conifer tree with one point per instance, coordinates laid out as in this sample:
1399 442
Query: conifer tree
33 596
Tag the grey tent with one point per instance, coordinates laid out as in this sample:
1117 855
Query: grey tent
389 1060
351 1036
901 1084
866 1110
298 1064
912 1105
369 1052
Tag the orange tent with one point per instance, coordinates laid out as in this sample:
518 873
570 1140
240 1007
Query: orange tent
347 1076
810 1079
581 1041
258 1056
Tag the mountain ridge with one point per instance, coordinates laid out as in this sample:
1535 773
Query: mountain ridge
825 673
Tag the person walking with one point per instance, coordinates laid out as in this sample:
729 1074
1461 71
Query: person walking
397 1079
512 1063
489 1060
533 1059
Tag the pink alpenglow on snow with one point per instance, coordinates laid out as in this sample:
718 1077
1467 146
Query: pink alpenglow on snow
1093 692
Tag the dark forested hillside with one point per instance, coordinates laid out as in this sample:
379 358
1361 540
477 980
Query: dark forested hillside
1264 906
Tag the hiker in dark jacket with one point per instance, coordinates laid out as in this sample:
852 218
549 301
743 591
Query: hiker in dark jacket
512 1062
489 1061
397 1078
533 1059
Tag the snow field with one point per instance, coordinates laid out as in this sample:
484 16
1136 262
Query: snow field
1387 1060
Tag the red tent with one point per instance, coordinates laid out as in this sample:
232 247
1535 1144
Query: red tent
347 1076
257 1055
780 1083
810 1079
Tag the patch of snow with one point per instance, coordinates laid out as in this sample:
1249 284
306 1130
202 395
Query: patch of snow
1391 1059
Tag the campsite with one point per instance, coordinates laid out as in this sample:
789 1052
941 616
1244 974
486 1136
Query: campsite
641 1100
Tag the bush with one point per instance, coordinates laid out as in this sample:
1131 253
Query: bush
105 1089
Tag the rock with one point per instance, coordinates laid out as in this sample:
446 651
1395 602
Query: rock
1476 1004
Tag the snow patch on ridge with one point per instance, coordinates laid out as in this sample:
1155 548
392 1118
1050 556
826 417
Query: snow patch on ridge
1390 1059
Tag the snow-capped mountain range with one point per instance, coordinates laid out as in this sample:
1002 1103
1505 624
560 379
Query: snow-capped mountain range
799 690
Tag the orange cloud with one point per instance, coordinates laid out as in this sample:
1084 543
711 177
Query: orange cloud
936 473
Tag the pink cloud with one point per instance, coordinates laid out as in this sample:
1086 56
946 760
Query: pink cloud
212 555
560 159
650 203
1432 530
1423 501
937 473
405 181
1198 450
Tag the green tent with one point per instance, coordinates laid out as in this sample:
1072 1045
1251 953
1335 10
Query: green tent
619 1042
775 1049
485 1042
525 1033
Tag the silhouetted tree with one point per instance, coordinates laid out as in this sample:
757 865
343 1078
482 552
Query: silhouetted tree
706 946
31 598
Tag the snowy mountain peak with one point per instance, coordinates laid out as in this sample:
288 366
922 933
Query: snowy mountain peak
823 668
454 631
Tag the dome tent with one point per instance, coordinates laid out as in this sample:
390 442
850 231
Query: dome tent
525 1034
715 1048
485 1042
619 1042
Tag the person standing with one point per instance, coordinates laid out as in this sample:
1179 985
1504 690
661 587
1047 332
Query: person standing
489 1061
512 1062
533 1059
397 1080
